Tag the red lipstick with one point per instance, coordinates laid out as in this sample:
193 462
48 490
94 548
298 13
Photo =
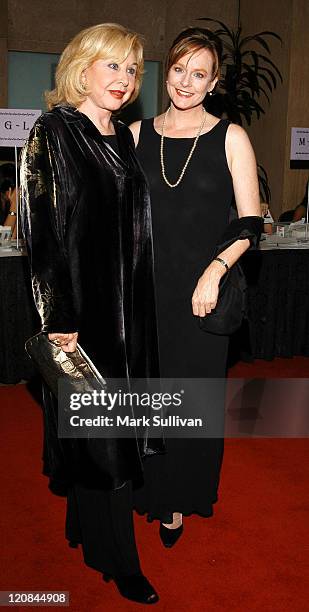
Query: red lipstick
117 93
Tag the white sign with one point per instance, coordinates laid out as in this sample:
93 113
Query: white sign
299 143
15 125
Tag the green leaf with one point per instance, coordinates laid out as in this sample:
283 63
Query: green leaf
269 33
263 184
270 73
237 37
249 78
258 106
267 60
223 26
251 68
229 48
268 83
265 93
221 33
257 39
254 56
263 171
225 55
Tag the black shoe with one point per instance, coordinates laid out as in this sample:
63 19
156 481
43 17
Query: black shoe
136 588
169 537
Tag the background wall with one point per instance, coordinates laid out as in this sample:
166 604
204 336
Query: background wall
297 98
269 133
47 25
289 104
3 51
31 74
44 26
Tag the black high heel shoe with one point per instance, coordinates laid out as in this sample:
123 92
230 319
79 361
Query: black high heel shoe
136 588
169 537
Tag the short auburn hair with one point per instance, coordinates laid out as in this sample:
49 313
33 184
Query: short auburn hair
103 41
194 39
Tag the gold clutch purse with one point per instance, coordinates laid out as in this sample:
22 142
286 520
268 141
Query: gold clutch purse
54 364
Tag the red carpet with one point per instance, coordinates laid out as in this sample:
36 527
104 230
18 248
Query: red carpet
251 556
298 367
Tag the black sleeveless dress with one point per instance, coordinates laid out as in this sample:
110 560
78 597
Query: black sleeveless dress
188 222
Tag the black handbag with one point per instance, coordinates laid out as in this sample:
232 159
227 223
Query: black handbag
231 306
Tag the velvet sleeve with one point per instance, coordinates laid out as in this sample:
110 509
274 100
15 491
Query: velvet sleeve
43 213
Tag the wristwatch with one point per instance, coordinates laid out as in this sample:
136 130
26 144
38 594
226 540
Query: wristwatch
227 267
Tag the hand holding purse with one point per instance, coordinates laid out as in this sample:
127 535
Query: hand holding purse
231 306
53 363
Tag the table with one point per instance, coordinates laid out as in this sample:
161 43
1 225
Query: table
18 317
278 297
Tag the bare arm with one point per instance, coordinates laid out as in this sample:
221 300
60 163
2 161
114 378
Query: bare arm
10 220
242 165
135 129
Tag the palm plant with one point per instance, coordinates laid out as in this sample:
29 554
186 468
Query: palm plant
246 73
246 76
264 188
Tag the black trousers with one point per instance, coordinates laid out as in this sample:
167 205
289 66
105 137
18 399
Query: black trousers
102 521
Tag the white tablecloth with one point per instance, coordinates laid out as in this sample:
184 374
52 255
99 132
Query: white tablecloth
10 252
282 244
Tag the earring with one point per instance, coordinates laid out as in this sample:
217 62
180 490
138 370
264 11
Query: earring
83 81
210 93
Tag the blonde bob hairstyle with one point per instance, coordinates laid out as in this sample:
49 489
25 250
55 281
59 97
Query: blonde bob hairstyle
104 41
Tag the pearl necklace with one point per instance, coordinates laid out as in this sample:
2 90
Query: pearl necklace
172 185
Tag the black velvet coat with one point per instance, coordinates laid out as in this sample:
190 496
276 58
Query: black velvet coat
86 220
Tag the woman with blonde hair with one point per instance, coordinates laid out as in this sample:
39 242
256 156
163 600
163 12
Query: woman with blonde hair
86 220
